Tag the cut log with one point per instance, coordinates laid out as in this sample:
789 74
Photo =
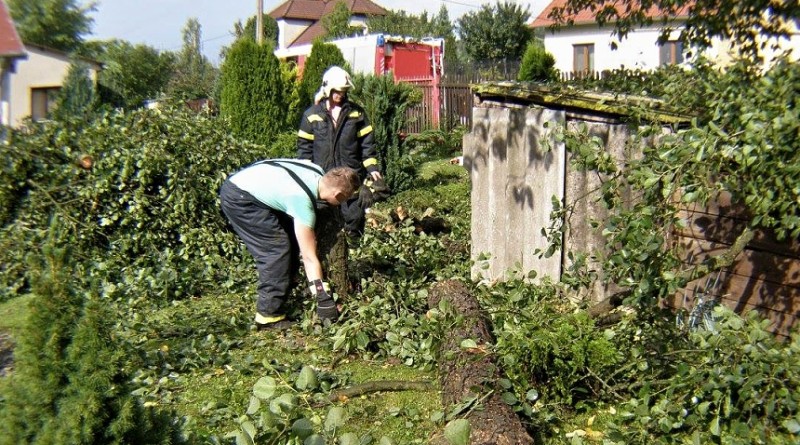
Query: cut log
467 373
332 250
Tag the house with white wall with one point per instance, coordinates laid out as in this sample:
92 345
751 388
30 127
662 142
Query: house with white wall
34 86
586 47
12 51
300 21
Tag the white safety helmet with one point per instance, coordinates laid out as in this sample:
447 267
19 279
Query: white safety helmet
337 79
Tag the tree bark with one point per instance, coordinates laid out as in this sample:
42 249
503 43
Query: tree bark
472 373
332 250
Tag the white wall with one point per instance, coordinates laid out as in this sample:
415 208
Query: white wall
637 51
42 69
289 30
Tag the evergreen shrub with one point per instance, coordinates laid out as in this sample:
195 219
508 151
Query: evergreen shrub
252 92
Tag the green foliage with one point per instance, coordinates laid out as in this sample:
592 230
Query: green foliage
436 144
68 384
537 64
132 74
194 76
706 20
736 385
77 98
57 24
740 143
270 31
496 32
386 103
323 56
144 212
337 22
550 354
253 92
402 23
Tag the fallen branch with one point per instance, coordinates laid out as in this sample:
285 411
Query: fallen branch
379 386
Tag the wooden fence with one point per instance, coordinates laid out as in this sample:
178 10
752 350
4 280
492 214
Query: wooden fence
455 96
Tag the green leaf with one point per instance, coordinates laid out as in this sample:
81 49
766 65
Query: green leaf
349 439
457 432
302 428
336 418
314 439
468 343
255 405
265 388
792 425
714 427
509 398
532 395
307 380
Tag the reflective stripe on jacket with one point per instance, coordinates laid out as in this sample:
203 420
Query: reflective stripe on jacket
349 144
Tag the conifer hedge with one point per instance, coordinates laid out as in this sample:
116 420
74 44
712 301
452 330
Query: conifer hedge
252 93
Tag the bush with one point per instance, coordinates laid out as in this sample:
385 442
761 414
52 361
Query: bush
323 56
69 385
141 206
253 91
537 64
386 103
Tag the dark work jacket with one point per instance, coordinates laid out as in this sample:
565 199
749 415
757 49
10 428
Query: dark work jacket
350 144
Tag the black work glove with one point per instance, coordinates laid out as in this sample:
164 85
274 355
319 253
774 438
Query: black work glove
326 307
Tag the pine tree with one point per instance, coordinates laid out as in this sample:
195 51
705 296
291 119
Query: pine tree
77 98
252 94
537 64
323 56
68 386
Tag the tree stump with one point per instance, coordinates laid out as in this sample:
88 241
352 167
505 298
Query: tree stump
332 249
466 373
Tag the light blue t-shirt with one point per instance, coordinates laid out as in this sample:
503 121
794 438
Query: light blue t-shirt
275 187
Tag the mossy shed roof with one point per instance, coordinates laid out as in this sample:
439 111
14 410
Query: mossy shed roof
575 100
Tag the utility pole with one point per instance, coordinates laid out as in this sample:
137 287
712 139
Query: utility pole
260 22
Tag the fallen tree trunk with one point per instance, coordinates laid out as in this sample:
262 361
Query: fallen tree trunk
471 373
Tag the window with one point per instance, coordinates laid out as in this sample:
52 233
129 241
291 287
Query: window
670 53
43 101
583 58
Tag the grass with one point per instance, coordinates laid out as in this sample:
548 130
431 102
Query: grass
13 313
212 398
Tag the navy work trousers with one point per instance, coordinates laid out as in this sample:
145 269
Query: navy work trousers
269 236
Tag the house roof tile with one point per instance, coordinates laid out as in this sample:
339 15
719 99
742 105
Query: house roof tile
10 43
315 9
587 16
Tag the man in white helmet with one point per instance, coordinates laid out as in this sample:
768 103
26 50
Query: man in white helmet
335 132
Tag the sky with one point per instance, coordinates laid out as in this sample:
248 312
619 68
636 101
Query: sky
159 23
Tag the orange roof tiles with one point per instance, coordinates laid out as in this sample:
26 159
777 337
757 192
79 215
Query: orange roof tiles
314 10
586 16
10 43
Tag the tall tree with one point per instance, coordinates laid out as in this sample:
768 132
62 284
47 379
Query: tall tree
497 32
402 23
739 21
337 23
57 24
270 31
78 96
252 92
194 76
323 56
132 74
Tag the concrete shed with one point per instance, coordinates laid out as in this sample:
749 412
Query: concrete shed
520 171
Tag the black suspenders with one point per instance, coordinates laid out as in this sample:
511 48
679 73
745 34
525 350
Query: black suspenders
294 175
